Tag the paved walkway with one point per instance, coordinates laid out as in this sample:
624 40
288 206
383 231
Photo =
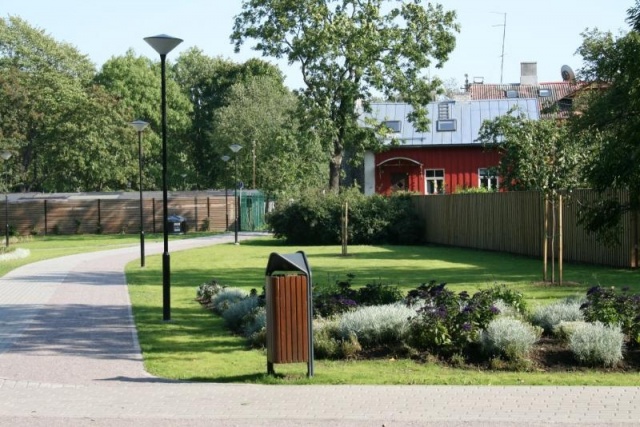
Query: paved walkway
69 356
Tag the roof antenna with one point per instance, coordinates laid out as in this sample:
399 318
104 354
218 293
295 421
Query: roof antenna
504 34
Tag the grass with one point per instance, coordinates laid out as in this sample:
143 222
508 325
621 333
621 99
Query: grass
195 346
52 246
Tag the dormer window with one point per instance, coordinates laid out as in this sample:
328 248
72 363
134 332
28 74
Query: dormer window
448 125
511 93
544 93
394 125
445 123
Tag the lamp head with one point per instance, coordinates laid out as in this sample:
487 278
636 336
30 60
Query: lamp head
225 158
235 147
162 43
139 125
6 155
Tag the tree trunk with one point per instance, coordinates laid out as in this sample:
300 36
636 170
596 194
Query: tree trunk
335 167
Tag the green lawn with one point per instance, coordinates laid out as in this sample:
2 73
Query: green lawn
196 346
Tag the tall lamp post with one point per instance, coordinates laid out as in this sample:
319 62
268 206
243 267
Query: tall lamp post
163 44
225 159
235 148
139 126
6 155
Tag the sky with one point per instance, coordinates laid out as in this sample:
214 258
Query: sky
547 32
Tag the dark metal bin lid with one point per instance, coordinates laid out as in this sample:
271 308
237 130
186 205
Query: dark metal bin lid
288 262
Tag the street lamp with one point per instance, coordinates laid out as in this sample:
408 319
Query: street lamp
225 159
6 155
235 148
139 126
163 44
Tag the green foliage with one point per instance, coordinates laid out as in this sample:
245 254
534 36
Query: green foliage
346 51
378 293
535 154
597 344
548 316
331 299
208 290
381 325
614 308
327 343
448 323
607 127
510 338
315 219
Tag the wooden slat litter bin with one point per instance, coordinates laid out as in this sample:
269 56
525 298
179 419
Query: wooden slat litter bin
288 286
287 308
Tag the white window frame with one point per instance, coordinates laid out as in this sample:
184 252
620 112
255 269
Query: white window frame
488 180
434 181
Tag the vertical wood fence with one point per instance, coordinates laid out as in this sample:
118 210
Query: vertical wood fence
513 222
112 216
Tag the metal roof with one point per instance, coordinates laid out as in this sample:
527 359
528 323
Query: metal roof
468 115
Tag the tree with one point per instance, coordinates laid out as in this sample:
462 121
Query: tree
49 110
609 124
207 82
259 116
135 82
536 155
347 50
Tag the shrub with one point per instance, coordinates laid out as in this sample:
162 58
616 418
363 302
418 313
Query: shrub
564 330
207 290
378 294
376 325
315 219
225 298
447 323
597 344
235 314
511 297
548 316
255 321
614 308
328 345
508 337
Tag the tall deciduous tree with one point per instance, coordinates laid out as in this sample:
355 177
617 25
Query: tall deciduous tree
207 81
259 116
609 123
135 82
347 50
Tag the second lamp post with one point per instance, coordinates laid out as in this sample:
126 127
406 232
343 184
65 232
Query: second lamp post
235 148
139 126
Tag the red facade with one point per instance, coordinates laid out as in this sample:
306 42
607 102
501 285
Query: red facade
420 169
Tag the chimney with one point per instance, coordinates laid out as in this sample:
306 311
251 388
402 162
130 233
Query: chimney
529 73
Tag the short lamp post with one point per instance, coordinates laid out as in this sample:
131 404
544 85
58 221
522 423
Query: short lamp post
163 44
235 148
6 155
139 126
226 159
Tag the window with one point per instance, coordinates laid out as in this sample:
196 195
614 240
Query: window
487 179
511 93
434 181
544 93
449 125
394 125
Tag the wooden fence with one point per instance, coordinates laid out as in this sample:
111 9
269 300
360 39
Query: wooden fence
514 222
64 216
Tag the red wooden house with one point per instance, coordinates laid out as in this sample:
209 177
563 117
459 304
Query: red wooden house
446 158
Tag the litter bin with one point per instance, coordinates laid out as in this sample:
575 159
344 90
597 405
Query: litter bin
176 224
289 311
